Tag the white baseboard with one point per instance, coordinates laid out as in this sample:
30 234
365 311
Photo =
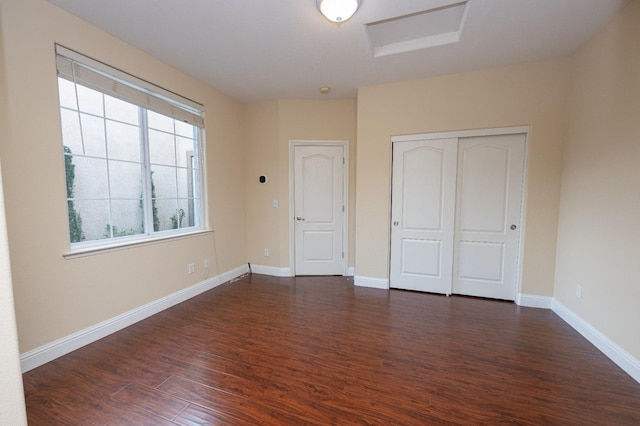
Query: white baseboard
350 271
39 356
533 301
618 355
283 272
271 270
228 276
381 283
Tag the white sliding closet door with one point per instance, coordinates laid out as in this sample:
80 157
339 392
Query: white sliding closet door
422 214
488 203
455 212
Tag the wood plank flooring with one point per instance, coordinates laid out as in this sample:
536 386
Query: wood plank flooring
319 351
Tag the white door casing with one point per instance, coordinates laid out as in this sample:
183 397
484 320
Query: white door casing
422 212
488 205
319 209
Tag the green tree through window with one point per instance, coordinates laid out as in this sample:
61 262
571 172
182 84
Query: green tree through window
75 221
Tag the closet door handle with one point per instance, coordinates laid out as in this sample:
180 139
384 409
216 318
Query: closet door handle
514 227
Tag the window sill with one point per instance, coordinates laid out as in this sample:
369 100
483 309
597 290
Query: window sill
91 251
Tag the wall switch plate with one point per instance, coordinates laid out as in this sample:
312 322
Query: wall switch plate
266 252
206 264
275 203
579 291
192 268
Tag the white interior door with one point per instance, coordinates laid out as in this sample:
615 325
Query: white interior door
319 210
422 215
488 205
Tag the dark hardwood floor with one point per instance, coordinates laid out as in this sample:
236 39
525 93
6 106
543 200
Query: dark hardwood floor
320 351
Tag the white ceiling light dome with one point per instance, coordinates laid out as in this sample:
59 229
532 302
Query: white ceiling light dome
338 10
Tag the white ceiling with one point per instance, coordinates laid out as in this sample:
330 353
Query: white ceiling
257 50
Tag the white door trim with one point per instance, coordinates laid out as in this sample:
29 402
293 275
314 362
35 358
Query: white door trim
525 177
345 191
463 134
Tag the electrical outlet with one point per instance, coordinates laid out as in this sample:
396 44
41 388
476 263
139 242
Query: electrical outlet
579 291
275 203
192 268
266 252
206 264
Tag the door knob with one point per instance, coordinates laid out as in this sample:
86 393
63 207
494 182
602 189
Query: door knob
299 218
395 223
513 227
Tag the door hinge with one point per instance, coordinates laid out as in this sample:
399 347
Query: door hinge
342 209
342 160
343 255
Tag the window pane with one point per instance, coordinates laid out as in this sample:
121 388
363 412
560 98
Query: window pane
123 141
76 234
162 148
121 111
125 180
160 122
90 178
164 180
187 206
167 213
93 132
185 183
71 130
67 93
126 219
90 100
185 150
185 129
92 129
94 216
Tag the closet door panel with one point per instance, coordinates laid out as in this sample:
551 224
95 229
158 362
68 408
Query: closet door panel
422 215
488 203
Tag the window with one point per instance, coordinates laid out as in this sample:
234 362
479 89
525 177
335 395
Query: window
131 155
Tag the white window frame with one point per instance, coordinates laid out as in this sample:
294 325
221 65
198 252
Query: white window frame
80 69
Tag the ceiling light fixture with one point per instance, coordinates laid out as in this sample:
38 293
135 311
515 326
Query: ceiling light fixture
338 10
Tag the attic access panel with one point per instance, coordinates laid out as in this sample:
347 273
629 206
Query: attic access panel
419 30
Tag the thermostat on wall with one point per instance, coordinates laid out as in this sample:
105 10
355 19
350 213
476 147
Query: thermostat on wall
263 179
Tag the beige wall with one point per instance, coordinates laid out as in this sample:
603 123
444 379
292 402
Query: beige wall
55 297
599 231
12 409
262 157
534 95
269 128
